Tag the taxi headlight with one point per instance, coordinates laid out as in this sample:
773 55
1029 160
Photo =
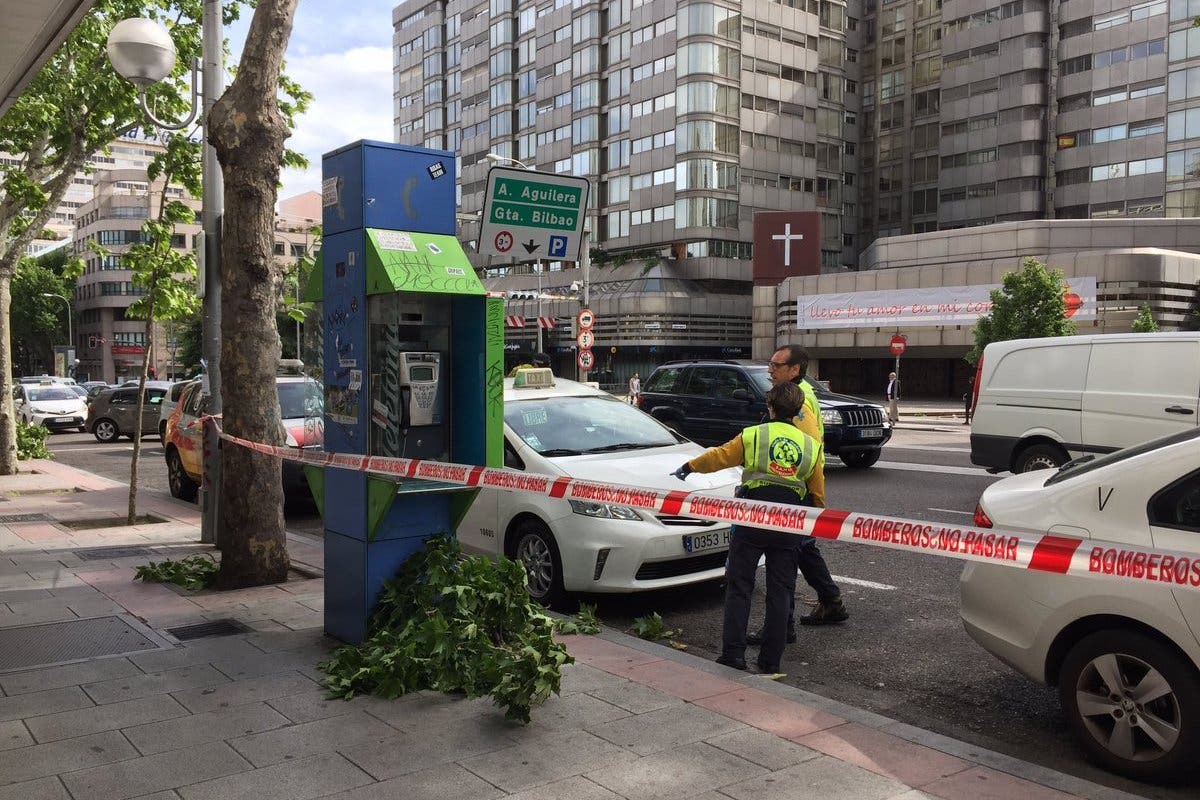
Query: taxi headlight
603 510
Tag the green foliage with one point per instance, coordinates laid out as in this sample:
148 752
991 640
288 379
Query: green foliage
455 624
31 441
194 572
1145 320
652 628
585 622
1028 305
38 322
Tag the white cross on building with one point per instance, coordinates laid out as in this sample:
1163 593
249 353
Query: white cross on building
787 237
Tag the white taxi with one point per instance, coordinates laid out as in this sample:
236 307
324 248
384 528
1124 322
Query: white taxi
1124 655
53 405
560 428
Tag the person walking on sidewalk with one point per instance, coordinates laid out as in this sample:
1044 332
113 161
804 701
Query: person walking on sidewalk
789 364
635 388
781 464
893 396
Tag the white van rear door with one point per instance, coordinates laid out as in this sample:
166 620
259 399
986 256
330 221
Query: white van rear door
1140 390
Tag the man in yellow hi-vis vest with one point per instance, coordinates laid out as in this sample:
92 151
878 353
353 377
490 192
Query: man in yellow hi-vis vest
782 464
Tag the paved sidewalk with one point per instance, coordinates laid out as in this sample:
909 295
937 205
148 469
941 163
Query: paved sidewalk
244 716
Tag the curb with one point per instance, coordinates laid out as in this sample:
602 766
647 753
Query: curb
1035 773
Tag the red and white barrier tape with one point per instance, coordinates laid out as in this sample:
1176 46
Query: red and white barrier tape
1044 553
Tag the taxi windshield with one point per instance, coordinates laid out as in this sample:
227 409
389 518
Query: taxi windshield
45 393
299 399
569 426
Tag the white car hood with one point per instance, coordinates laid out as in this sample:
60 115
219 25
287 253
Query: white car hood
648 469
58 407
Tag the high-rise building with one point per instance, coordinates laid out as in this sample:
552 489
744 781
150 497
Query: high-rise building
886 118
110 344
688 117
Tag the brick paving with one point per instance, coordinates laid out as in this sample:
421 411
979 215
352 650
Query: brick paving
245 715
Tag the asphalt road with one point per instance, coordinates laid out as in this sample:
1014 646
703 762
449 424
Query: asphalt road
903 653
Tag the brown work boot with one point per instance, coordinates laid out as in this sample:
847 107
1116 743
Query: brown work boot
829 613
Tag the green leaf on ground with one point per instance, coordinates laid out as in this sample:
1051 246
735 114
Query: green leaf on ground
194 572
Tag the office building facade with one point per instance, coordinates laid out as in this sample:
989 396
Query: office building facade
884 118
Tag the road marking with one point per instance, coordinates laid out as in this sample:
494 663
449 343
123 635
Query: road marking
928 447
865 584
953 511
938 468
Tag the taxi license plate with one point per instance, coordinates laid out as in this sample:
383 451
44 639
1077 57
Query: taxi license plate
703 542
871 433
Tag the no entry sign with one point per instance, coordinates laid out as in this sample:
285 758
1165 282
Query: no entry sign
897 346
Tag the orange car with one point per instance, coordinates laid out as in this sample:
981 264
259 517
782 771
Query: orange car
301 407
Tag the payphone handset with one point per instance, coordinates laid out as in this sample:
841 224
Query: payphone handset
420 390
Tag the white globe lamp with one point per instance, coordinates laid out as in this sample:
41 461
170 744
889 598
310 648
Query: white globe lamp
141 51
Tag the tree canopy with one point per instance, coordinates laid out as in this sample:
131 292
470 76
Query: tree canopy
1030 304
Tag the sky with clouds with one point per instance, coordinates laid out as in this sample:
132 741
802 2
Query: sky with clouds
341 51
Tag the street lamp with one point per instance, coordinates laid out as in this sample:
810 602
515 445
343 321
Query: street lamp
496 158
65 299
142 52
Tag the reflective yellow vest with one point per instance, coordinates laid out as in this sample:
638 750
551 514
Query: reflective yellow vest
811 406
780 454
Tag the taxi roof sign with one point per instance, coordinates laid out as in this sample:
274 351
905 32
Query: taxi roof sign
534 378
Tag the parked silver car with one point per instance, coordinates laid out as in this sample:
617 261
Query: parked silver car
114 411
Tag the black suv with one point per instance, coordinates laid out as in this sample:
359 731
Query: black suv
711 401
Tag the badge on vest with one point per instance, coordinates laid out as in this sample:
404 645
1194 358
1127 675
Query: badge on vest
785 457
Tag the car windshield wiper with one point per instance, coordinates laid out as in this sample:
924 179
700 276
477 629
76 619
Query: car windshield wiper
613 448
561 451
1075 462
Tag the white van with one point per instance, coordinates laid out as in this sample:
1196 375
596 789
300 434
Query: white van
1041 402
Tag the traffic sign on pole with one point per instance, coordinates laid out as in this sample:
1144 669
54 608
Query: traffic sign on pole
898 345
541 212
586 319
586 360
586 339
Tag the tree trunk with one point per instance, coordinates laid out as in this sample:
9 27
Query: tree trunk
131 518
248 132
8 412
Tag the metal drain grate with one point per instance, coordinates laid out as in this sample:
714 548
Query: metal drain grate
7 518
106 553
218 627
58 642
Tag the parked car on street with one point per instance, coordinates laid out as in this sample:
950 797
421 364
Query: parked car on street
301 408
167 407
1041 402
94 388
114 411
561 428
1124 655
35 379
711 401
54 406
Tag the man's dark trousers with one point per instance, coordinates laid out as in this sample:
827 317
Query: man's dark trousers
746 547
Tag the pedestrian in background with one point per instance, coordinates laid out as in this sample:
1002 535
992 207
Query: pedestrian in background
789 364
893 396
635 388
781 464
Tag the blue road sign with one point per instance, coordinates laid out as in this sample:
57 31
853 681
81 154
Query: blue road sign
558 247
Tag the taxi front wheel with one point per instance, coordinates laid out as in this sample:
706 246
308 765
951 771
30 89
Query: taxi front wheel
537 551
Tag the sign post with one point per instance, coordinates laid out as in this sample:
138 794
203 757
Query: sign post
585 338
528 214
896 347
